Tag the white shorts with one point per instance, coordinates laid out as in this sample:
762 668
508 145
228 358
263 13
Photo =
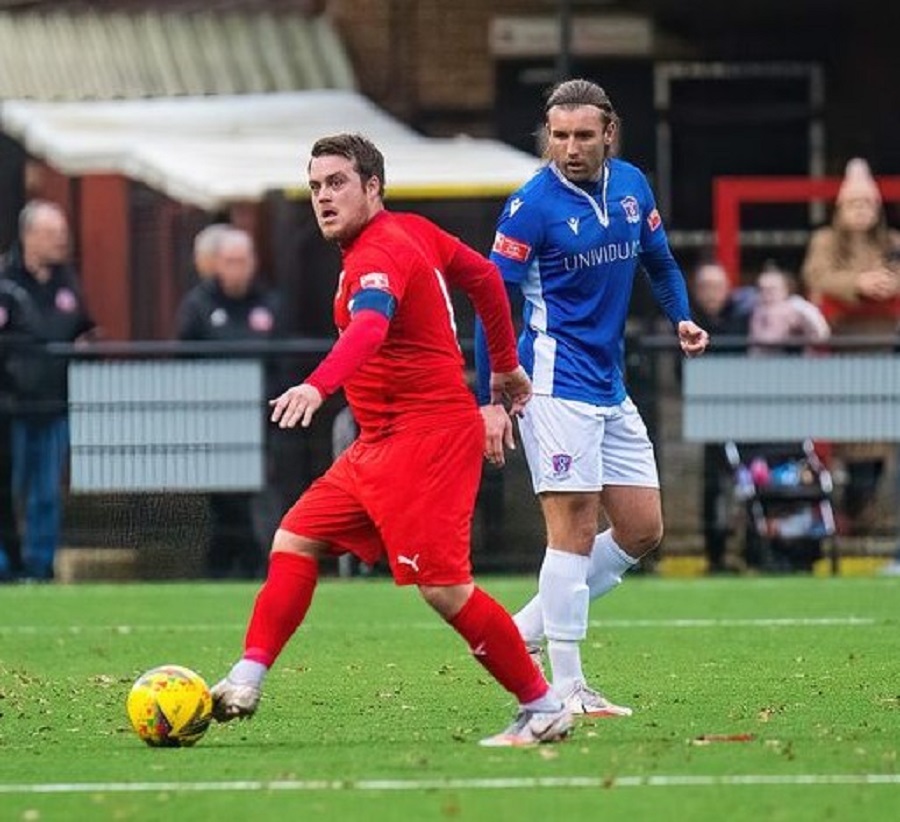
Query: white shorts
575 446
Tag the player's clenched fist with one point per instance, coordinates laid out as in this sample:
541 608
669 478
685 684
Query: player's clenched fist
513 386
692 338
297 404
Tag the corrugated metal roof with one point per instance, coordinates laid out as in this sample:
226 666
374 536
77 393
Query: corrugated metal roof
214 150
87 55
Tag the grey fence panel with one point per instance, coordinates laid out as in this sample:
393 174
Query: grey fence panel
191 425
780 398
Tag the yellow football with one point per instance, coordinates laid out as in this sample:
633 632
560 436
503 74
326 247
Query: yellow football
170 707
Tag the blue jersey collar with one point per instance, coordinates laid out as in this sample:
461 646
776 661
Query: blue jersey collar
600 208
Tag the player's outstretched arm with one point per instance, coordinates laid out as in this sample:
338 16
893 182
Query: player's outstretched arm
298 404
363 337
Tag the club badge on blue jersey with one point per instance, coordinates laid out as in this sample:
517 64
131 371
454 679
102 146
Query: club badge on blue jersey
632 209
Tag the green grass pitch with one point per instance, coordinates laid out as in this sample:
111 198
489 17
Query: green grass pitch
375 708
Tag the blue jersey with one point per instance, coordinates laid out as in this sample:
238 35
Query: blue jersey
574 251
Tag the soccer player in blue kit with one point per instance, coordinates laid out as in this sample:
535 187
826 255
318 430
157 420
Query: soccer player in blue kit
572 239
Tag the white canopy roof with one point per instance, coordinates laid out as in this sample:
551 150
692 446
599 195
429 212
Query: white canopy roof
210 151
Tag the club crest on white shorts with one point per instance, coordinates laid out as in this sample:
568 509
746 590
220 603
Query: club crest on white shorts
562 465
576 446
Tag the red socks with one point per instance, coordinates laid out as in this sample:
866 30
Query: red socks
497 644
284 599
280 606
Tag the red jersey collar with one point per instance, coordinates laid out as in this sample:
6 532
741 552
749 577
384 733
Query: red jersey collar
379 217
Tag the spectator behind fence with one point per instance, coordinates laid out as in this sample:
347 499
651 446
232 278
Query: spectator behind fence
40 428
723 311
205 243
781 316
783 322
18 326
231 306
721 308
852 272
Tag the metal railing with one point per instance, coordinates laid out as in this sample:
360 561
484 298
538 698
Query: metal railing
172 446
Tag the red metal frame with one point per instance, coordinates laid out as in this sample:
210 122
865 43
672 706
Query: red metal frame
730 193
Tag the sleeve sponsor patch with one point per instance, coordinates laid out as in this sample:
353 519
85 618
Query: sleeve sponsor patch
654 220
375 279
511 249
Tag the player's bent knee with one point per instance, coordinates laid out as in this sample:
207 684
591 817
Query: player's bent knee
650 541
638 543
447 600
295 544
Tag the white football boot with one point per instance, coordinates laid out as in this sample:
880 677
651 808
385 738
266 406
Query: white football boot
533 728
234 700
586 702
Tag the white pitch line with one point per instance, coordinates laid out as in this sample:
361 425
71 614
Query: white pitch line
504 783
774 622
118 629
768 622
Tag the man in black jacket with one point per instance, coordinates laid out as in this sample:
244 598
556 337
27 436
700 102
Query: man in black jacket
723 312
40 428
231 306
18 328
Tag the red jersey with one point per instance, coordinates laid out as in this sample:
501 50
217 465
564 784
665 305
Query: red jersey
415 379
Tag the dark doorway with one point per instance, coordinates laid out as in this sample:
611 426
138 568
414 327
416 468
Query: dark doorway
737 125
522 86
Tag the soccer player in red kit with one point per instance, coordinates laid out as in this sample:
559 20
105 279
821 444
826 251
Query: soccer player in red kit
405 490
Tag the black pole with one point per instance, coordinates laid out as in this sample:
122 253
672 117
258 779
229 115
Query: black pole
564 58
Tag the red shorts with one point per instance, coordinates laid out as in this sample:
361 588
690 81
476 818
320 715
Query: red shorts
409 497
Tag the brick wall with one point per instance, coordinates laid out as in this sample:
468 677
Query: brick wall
377 44
425 55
